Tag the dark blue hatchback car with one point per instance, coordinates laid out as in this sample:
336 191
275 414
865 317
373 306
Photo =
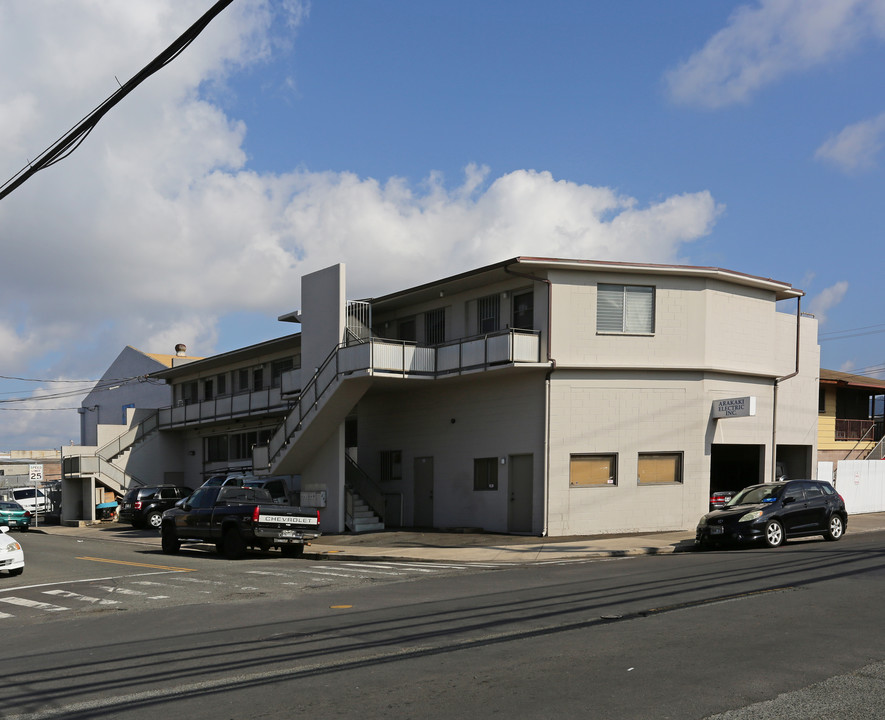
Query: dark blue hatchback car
773 512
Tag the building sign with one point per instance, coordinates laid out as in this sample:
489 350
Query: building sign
35 473
734 407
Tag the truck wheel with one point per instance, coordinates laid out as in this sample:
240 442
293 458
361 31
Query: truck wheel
234 546
169 541
293 551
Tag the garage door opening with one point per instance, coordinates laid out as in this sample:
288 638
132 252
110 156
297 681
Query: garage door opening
734 467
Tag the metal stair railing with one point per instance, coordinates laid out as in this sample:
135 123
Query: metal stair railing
363 485
870 429
878 452
133 435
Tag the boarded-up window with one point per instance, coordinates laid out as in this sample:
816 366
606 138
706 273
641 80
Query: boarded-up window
593 470
656 468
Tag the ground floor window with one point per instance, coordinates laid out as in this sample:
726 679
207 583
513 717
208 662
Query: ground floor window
485 474
657 468
593 470
391 465
216 448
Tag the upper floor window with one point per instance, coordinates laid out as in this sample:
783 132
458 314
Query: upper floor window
406 329
524 311
625 309
258 378
488 313
208 389
277 368
435 326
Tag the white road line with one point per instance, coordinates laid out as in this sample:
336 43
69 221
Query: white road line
5 615
81 598
120 591
321 572
89 580
24 602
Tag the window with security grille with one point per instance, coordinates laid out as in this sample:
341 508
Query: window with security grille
435 326
488 313
626 309
485 474
391 465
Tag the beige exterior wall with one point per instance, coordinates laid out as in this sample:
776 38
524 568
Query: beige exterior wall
454 421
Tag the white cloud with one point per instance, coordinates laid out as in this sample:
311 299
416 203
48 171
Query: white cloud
156 228
827 299
856 147
771 39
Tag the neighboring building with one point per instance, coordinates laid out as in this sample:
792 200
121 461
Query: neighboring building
850 421
542 396
102 467
30 468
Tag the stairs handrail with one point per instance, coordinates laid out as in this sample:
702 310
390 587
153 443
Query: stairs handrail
878 451
127 439
862 438
298 407
365 487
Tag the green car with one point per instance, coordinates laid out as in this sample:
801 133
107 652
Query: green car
14 516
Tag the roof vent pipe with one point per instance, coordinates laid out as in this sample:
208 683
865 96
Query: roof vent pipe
181 349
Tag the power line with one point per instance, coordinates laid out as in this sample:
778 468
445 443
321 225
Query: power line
71 141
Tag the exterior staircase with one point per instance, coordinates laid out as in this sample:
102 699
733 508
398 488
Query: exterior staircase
363 518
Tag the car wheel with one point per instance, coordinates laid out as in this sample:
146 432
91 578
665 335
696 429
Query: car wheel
293 551
17 571
169 541
774 534
233 544
154 520
24 528
835 528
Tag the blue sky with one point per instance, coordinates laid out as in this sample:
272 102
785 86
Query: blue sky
414 140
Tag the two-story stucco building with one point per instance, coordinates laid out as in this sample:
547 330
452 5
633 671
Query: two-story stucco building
535 395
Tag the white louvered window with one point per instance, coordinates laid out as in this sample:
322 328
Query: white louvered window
625 309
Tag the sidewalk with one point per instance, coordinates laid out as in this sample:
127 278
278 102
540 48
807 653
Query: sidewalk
453 547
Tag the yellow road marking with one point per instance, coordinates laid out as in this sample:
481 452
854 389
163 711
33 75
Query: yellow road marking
135 564
340 607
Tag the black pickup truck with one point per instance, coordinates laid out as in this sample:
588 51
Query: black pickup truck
236 518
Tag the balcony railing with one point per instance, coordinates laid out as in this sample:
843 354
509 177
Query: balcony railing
224 407
405 359
868 430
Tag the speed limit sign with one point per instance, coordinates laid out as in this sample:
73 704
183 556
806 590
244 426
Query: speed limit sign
36 473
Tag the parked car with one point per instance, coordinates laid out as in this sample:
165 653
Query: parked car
773 512
144 506
276 486
229 480
12 557
14 516
30 498
719 498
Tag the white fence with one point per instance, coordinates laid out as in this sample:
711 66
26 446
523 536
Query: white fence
860 482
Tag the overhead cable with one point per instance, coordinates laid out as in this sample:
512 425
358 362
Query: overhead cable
68 143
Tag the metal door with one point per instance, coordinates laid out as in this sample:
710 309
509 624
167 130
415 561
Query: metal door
423 483
521 490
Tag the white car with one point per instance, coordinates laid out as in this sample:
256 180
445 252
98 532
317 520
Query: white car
12 557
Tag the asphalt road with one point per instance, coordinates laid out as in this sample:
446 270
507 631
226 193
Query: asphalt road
688 635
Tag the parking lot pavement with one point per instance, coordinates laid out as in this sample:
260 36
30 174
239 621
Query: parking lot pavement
463 545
